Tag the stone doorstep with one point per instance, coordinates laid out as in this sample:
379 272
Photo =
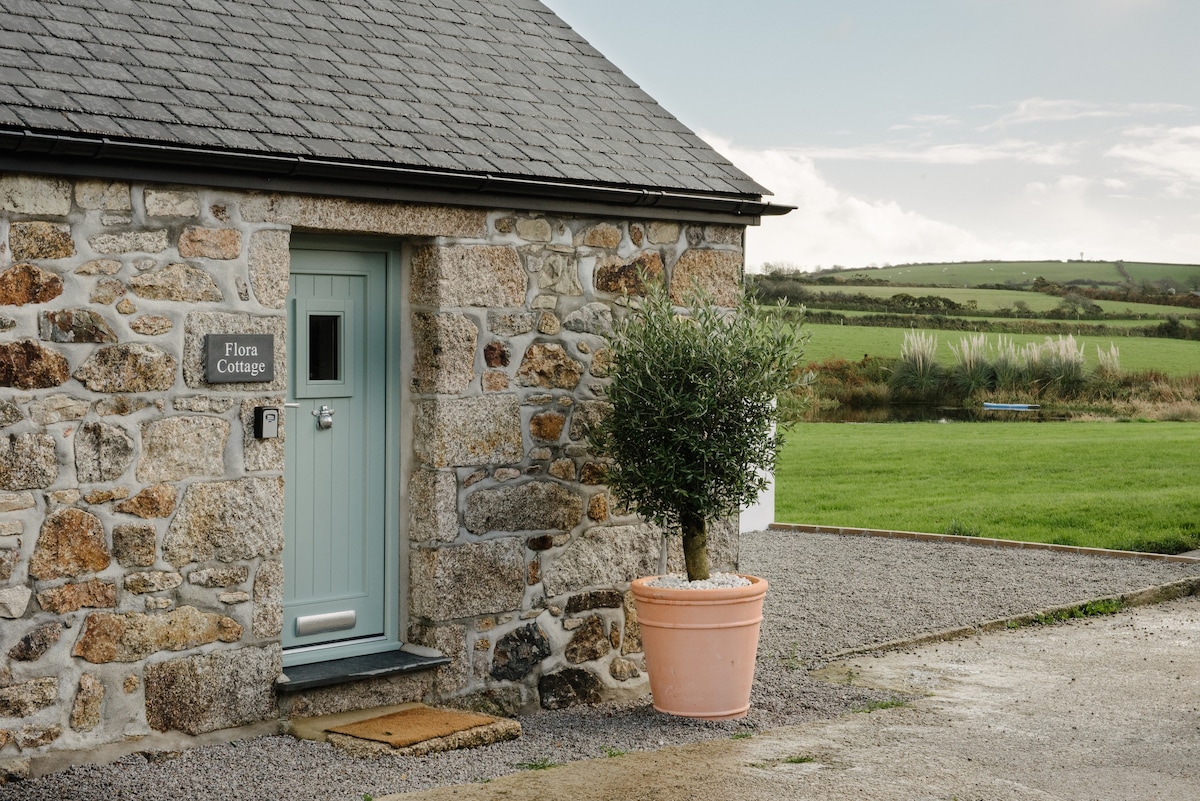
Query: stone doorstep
408 659
315 728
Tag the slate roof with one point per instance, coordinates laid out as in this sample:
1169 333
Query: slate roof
498 87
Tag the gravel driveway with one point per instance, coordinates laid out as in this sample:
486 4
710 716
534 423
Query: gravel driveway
829 594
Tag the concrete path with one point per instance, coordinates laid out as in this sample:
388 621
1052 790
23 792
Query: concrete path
1107 708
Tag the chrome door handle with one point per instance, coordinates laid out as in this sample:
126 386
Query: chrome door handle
324 417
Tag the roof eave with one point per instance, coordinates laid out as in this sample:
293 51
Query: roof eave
57 153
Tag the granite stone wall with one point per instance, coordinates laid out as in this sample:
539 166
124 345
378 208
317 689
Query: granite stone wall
141 524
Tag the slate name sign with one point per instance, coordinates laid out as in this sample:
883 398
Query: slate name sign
239 357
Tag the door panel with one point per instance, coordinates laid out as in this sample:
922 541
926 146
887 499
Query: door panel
335 584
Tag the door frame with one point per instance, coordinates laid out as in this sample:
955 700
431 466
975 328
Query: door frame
398 436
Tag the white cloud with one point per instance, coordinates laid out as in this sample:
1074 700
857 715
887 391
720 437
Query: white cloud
1057 217
832 227
960 153
1041 110
1160 152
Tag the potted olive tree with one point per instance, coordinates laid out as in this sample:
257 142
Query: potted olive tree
696 397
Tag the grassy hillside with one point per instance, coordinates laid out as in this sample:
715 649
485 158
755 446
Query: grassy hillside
993 299
1170 356
1022 273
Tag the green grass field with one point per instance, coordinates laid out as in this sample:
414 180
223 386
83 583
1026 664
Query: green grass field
1170 356
1108 485
1023 272
992 299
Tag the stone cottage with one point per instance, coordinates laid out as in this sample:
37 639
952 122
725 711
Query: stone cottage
301 335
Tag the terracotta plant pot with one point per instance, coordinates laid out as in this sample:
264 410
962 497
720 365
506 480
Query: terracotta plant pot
700 646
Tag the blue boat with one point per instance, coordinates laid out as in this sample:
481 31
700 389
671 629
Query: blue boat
1013 407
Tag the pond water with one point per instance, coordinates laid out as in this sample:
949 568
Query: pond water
918 413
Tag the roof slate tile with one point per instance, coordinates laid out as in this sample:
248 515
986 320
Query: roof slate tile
468 85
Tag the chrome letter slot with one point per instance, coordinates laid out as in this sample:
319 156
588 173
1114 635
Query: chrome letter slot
330 621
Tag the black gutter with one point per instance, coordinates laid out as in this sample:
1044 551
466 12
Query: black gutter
63 153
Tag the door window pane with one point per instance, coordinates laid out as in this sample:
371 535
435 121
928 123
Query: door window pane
324 347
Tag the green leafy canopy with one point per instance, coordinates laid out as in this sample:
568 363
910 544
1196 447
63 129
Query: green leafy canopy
694 404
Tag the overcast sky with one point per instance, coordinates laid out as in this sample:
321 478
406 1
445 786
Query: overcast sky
935 130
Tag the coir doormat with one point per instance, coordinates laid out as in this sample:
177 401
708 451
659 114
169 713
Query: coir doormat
416 725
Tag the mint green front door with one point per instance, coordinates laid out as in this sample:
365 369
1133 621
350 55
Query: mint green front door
335 565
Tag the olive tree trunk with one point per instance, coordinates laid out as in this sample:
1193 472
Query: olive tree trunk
695 545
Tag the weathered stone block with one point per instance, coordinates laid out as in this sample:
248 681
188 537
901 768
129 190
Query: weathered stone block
598 599
155 501
130 242
433 506
598 507
483 275
548 365
174 448
103 452
212 691
152 581
270 261
268 599
9 413
36 643
467 580
14 601
604 235
592 318
34 736
632 644
133 636
336 214
603 556
623 669
532 506
510 324
27 461
183 283
106 195
519 652
569 687
106 291
663 233
99 267
586 415
74 325
28 194
70 544
227 520
588 642
210 243
716 272
547 426
444 352
468 431
535 230
9 558
40 240
28 365
130 367
22 700
621 277
85 712
171 203
151 325
557 273
219 576
93 594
